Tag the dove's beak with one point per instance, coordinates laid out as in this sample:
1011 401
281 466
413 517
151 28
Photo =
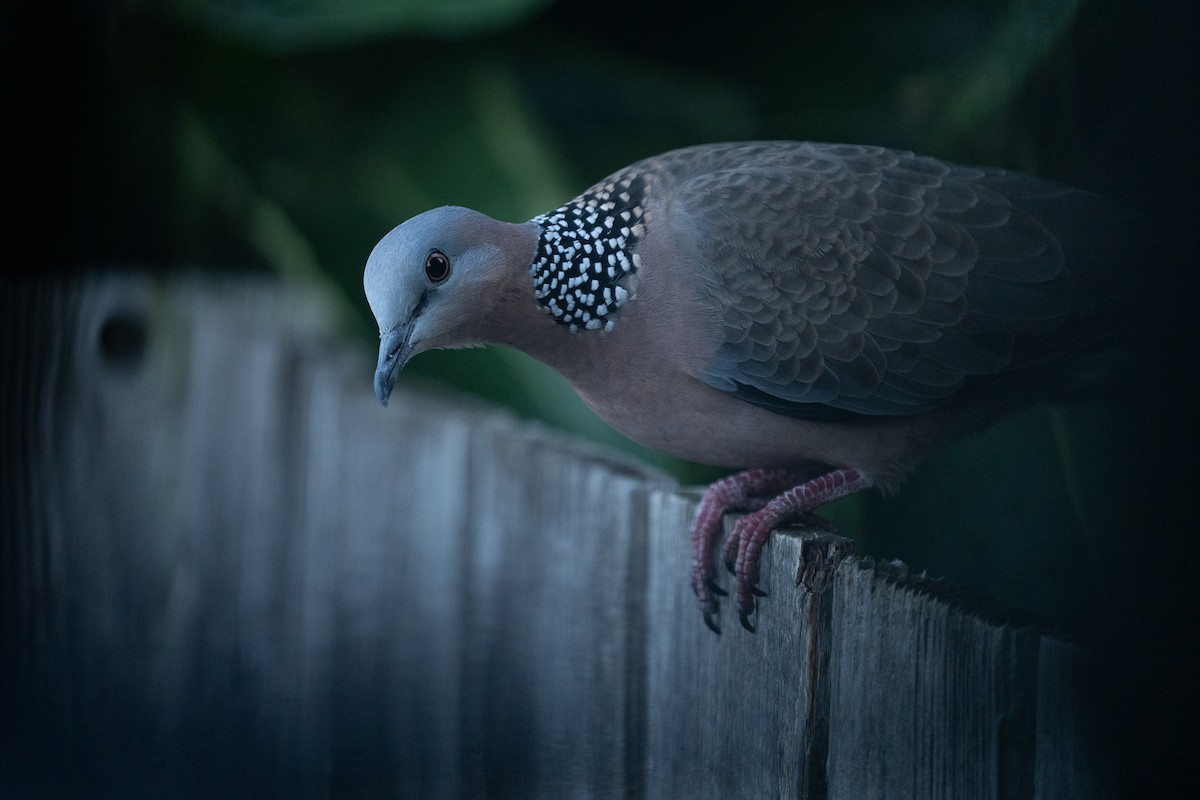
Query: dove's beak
394 352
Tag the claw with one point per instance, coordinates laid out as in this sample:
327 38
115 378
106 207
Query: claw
733 543
744 545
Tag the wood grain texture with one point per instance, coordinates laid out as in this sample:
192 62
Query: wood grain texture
227 572
933 696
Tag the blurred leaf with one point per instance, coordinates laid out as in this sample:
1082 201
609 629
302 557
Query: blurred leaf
960 100
1002 67
298 25
518 148
210 178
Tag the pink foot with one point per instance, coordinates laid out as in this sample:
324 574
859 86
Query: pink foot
744 545
739 492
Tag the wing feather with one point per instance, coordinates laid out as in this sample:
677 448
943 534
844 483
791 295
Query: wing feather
866 280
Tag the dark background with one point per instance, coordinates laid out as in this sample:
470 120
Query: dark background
286 138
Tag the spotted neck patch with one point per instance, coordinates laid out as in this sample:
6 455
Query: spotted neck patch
585 248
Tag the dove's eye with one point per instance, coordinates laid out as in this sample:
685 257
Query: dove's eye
437 266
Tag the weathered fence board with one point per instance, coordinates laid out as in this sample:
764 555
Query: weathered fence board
925 696
227 572
548 585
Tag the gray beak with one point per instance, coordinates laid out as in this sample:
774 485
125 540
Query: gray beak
394 351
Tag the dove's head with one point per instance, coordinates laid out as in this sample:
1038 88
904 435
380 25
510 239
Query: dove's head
432 282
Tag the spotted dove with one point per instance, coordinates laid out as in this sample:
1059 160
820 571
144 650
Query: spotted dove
821 314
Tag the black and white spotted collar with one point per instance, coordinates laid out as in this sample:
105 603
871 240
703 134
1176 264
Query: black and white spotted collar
585 248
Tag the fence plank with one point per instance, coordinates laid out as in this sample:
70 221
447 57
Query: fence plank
929 700
547 632
1068 764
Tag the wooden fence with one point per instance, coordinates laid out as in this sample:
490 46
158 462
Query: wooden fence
227 572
